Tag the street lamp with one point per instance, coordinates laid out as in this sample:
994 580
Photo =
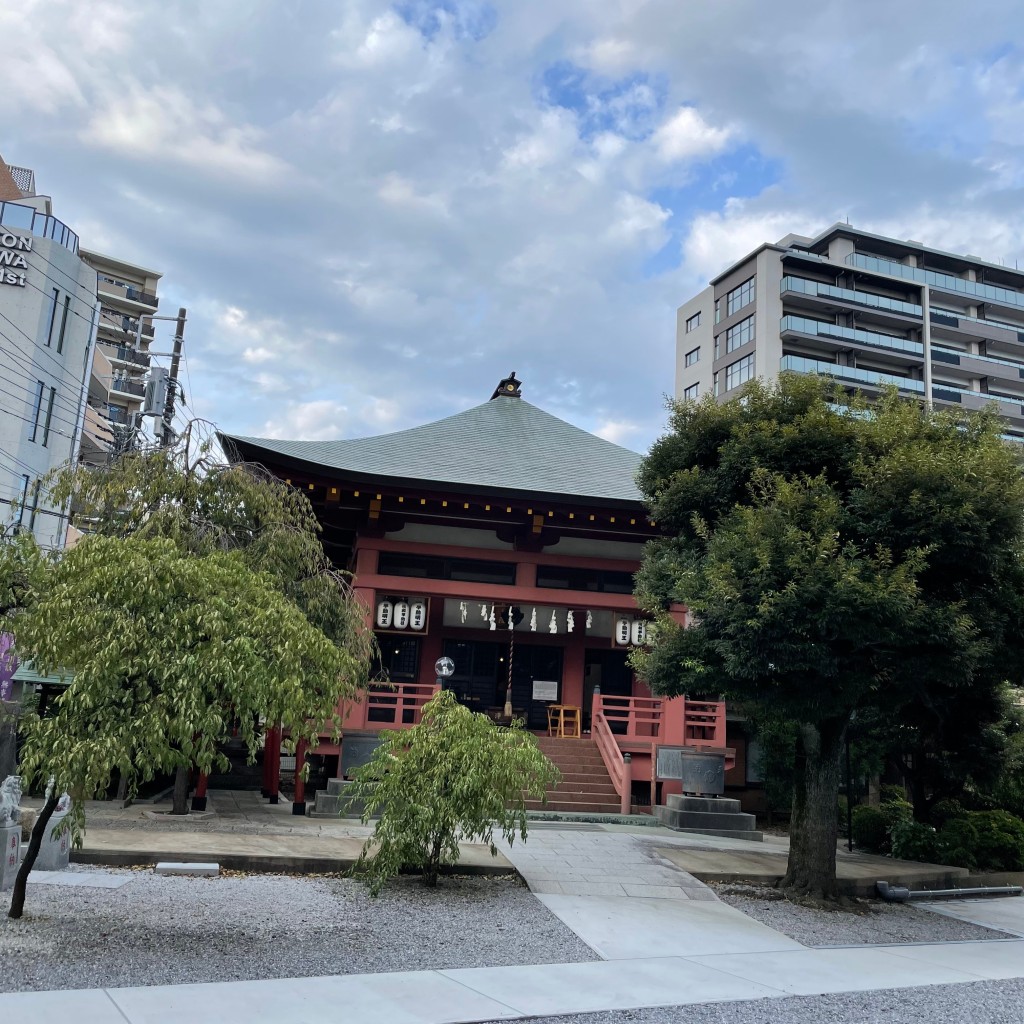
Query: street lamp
444 667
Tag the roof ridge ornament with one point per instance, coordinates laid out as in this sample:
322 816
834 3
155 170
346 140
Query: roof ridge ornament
508 388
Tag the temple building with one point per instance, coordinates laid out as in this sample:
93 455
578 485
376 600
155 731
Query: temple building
506 540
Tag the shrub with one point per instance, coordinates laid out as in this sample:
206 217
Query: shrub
913 840
984 841
871 825
454 776
890 793
946 810
869 828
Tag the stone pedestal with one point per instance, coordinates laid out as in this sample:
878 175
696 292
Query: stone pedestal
10 837
55 850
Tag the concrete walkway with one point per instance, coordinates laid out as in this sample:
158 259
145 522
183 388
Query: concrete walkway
665 939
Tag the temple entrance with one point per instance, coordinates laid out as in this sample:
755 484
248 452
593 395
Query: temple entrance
609 670
481 677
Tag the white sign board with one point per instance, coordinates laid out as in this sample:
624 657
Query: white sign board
545 689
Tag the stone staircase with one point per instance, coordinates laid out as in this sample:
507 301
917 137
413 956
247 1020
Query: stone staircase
585 787
709 816
330 802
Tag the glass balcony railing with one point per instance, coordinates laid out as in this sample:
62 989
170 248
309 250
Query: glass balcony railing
854 374
15 215
830 291
946 282
826 330
940 316
943 354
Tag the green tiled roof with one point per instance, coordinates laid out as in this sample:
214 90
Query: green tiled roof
504 445
25 673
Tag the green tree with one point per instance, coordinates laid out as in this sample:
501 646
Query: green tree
836 561
167 650
189 494
455 775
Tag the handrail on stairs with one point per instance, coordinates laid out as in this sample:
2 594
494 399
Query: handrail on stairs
618 765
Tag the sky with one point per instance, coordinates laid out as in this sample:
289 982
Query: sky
375 211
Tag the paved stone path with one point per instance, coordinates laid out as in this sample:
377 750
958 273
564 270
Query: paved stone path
601 863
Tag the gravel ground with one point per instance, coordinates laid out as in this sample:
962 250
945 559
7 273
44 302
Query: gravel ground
868 921
982 1002
157 931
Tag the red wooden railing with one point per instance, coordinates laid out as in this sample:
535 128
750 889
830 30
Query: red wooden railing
394 706
614 761
640 722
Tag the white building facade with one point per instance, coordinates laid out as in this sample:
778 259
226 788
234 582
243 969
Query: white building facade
48 316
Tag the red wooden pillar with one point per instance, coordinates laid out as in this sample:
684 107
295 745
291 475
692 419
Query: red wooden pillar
199 797
267 766
574 662
299 803
274 785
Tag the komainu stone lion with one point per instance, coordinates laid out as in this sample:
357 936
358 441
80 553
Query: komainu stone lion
10 800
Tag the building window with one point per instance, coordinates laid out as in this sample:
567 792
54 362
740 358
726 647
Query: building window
23 500
716 384
739 372
465 570
718 310
692 356
52 316
693 322
49 416
398 659
740 296
739 334
691 392
37 408
35 505
602 581
63 323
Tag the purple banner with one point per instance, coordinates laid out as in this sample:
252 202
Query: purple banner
8 666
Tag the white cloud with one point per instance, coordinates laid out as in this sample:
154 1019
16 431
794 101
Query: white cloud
259 354
162 122
618 431
687 136
319 420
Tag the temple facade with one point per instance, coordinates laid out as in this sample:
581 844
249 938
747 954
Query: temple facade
504 540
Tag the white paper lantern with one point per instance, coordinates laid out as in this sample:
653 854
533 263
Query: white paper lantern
384 609
639 632
623 631
417 613
401 614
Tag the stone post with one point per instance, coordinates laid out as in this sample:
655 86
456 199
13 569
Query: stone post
10 836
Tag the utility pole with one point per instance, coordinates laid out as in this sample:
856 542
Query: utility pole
167 432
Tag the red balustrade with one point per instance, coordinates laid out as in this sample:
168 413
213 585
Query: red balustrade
641 723
391 706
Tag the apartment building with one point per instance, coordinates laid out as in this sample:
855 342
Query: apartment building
127 296
47 330
866 310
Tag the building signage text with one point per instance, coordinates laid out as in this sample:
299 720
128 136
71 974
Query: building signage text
12 263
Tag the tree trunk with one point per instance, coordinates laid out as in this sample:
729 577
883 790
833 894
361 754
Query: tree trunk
36 841
814 828
431 868
180 804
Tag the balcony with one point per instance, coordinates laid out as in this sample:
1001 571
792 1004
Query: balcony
118 323
941 282
122 290
820 329
26 218
100 375
97 437
821 290
127 354
127 386
850 374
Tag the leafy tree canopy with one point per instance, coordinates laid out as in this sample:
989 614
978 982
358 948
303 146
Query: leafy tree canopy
168 650
836 559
